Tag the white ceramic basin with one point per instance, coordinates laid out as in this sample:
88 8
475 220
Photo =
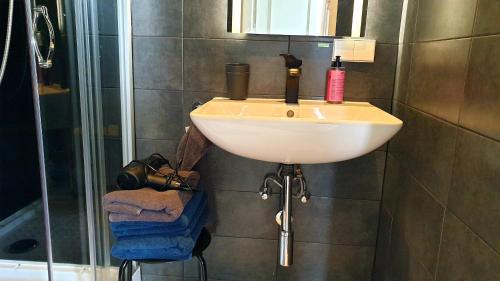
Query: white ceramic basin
318 132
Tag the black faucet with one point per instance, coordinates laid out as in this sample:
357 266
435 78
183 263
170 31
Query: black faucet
292 78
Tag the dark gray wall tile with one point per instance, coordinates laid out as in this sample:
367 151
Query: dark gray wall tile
382 253
423 174
481 108
230 258
373 80
403 72
464 256
359 178
487 17
475 191
113 159
205 68
110 75
157 63
204 63
157 114
165 269
393 182
418 221
315 61
437 76
146 147
223 170
404 264
233 209
111 111
426 147
206 19
444 19
107 18
319 262
336 221
383 20
197 279
147 277
398 142
157 18
384 104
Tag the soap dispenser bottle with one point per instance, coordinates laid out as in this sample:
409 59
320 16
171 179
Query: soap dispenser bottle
335 80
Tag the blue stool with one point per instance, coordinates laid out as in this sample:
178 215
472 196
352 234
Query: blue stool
203 241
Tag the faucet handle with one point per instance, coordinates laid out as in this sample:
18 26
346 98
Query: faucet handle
291 61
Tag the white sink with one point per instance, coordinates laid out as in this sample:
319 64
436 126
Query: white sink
317 132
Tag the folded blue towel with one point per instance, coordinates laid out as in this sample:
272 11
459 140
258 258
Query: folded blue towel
159 246
182 226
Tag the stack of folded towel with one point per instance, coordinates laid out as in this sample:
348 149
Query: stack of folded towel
150 224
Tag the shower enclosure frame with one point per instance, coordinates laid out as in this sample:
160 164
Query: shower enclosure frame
124 17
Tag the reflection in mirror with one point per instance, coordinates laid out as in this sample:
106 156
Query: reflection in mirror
298 17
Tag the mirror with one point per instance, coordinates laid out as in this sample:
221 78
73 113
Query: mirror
298 17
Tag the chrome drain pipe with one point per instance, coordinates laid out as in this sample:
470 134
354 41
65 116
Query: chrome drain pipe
286 231
284 179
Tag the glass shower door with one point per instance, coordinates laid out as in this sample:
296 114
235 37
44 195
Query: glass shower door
80 123
59 98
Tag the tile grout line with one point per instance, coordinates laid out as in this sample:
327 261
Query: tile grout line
449 123
312 196
183 102
182 46
257 40
453 164
397 72
478 236
438 256
472 36
422 185
446 209
429 193
413 31
182 94
299 241
380 210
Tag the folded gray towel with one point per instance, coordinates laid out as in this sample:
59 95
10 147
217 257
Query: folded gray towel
146 216
192 147
146 203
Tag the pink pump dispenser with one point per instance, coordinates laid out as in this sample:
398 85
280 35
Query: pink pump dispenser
335 80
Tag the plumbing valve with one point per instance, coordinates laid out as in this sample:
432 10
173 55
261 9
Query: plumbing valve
265 192
303 192
304 198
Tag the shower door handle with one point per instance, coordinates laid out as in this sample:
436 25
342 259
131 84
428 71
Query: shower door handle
42 12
